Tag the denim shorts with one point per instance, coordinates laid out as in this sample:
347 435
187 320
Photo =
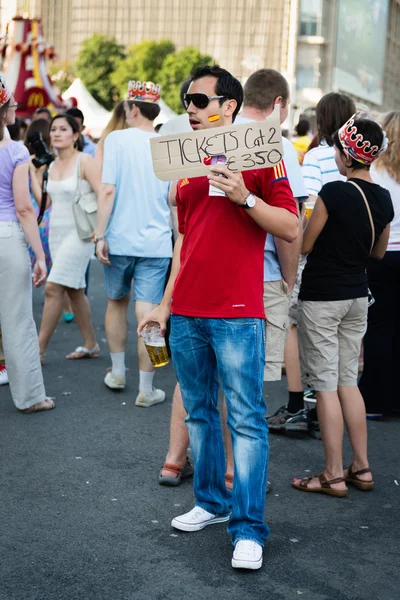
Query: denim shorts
148 275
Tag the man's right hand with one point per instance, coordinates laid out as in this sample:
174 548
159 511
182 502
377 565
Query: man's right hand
102 252
159 315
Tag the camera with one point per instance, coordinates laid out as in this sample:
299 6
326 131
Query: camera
39 149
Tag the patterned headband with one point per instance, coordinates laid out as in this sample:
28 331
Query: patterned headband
5 93
354 143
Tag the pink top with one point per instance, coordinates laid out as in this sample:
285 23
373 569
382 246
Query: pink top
11 155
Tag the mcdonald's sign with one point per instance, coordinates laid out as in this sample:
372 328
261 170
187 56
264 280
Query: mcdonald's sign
33 99
36 100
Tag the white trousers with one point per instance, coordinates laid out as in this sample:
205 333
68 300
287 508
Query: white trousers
20 340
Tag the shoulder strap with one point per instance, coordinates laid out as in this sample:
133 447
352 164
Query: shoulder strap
369 213
78 171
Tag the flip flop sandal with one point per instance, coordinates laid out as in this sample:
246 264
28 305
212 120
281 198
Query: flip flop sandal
47 404
325 486
352 477
93 353
181 473
229 479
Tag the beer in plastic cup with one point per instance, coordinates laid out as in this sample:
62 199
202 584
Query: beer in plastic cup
309 208
155 345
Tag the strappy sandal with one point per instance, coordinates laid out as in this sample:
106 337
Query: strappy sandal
229 481
181 473
47 404
86 353
325 486
352 477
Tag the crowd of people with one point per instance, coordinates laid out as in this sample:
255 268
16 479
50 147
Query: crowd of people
295 265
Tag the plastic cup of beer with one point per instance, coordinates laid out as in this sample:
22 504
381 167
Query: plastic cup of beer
309 206
155 345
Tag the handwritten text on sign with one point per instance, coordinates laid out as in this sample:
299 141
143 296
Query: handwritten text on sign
253 145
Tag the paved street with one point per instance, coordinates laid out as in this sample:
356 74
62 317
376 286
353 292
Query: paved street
82 516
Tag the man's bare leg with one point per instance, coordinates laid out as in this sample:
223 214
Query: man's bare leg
292 361
178 434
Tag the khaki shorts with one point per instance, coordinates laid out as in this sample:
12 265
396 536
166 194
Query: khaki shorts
296 289
276 305
330 335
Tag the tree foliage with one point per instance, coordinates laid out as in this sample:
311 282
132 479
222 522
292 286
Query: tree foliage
143 62
98 58
176 68
106 70
62 74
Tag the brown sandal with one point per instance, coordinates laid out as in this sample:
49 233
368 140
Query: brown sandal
325 486
180 472
47 404
352 477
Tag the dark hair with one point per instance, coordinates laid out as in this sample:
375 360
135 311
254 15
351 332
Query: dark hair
184 88
74 126
263 87
43 109
39 126
302 127
75 112
15 130
227 85
371 132
333 110
148 110
158 127
3 111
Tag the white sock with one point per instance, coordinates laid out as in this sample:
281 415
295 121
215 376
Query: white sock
118 363
146 381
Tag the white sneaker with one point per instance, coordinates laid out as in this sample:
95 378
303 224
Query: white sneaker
247 555
197 519
115 382
147 399
3 375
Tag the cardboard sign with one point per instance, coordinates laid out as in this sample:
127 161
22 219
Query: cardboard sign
253 145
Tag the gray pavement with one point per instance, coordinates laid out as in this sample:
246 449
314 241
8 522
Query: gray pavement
82 516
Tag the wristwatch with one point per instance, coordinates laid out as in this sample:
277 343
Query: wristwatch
97 238
249 202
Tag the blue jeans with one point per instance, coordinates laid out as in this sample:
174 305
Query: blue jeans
204 350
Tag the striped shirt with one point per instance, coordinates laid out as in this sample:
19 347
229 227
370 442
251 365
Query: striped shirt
319 167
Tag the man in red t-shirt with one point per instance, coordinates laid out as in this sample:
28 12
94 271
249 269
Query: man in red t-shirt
215 299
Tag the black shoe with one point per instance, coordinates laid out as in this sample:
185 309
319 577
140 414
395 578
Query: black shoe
283 420
313 427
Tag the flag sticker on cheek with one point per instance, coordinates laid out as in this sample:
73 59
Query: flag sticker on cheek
213 118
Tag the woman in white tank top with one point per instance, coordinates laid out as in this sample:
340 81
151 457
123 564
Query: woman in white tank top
70 255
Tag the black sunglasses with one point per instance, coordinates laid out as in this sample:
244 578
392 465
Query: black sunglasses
199 100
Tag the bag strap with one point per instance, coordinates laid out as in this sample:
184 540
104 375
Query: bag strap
369 212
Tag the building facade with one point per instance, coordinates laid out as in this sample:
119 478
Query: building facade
241 36
319 45
351 47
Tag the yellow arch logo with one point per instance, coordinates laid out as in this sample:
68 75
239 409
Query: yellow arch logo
36 99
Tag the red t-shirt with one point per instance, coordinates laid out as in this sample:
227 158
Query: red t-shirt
222 256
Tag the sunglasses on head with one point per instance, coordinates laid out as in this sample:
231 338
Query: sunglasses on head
199 100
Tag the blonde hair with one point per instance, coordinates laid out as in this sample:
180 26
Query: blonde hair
116 123
390 160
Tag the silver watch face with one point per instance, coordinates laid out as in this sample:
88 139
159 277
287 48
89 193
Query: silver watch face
250 201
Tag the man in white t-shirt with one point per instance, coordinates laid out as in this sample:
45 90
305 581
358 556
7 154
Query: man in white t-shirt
133 234
262 91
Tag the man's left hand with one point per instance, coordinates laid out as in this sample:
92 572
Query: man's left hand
232 183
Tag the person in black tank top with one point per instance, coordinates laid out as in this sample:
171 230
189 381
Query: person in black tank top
350 223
